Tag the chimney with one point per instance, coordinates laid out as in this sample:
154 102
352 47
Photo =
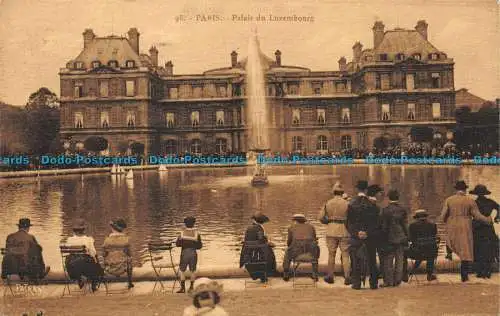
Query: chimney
133 38
421 28
234 58
356 51
378 33
88 37
278 57
169 67
153 52
342 64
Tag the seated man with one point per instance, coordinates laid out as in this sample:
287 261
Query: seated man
79 265
23 255
423 243
257 248
117 254
301 240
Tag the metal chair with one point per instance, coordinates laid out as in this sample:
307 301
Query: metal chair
110 275
156 256
67 251
422 243
306 258
17 286
257 264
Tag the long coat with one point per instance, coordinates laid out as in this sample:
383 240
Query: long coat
257 249
458 212
23 256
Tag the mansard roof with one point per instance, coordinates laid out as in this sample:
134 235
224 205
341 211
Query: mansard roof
108 48
404 41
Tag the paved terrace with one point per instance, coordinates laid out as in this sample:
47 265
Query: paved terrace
446 296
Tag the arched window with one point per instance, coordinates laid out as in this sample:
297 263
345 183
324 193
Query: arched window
130 64
96 64
295 117
417 56
113 63
79 65
221 145
322 143
171 147
297 143
346 142
196 146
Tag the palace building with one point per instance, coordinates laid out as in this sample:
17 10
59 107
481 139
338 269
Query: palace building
113 93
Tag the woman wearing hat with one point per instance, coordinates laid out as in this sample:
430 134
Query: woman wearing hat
206 299
257 248
79 265
458 212
117 252
485 237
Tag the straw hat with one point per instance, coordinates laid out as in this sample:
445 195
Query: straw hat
420 214
337 187
206 285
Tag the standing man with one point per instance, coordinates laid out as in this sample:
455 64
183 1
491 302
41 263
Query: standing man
458 212
334 214
301 240
394 220
363 225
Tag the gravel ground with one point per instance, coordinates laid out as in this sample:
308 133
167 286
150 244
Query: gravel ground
438 299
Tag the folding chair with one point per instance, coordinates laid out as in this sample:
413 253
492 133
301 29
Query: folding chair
257 264
156 251
296 262
422 243
111 276
18 286
67 251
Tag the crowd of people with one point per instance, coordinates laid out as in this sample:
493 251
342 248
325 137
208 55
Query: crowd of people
357 226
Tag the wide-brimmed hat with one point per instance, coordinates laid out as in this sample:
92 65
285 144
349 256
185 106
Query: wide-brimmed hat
362 185
206 285
480 190
24 223
190 221
119 225
260 218
337 187
393 195
79 224
373 189
420 214
299 216
460 185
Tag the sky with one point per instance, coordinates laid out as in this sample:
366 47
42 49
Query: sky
38 37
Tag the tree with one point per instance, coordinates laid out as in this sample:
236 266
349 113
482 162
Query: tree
95 143
42 111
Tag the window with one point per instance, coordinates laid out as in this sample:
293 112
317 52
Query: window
321 117
171 147
113 64
294 90
368 58
378 81
362 139
195 119
340 86
170 119
411 111
197 92
130 119
417 56
79 65
96 64
322 143
270 91
434 56
103 88
400 56
219 116
130 64
78 92
174 93
130 88
220 145
383 57
317 88
297 143
221 92
346 115
346 142
104 119
436 110
78 120
410 82
295 117
196 146
386 112
436 83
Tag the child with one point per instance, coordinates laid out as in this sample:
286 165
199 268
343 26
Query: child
189 240
206 299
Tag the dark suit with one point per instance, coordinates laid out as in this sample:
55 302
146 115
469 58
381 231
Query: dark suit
423 247
23 256
363 215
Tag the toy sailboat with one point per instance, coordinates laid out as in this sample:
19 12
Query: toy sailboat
162 168
130 175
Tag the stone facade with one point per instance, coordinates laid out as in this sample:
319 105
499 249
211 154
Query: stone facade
112 91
